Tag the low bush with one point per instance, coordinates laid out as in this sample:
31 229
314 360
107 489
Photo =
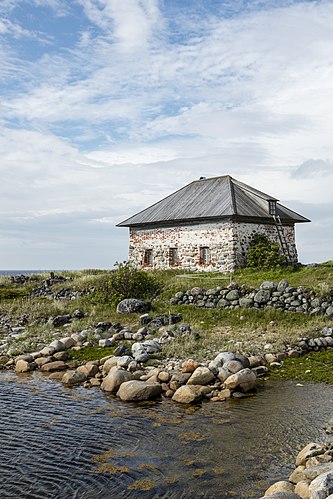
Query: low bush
263 254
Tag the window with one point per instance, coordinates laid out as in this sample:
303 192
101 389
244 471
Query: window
173 257
204 255
148 257
272 207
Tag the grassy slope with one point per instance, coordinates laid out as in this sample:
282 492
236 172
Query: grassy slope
239 330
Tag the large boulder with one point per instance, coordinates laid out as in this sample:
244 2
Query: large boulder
187 394
114 379
201 376
322 486
57 365
281 486
73 378
133 306
244 379
137 391
310 450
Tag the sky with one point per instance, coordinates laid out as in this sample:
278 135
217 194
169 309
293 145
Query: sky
107 106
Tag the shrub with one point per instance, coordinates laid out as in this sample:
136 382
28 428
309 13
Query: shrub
263 254
126 282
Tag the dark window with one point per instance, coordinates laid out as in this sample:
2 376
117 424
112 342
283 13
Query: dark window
204 255
272 207
148 257
173 256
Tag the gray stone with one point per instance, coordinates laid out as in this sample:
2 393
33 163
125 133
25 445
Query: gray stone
329 311
133 306
137 391
57 365
310 450
68 342
268 285
245 302
262 296
232 295
57 345
233 366
124 361
281 486
322 486
60 320
282 285
319 469
22 366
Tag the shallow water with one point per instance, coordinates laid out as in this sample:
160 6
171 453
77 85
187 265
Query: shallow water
66 443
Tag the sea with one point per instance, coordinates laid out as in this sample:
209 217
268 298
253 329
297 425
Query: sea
27 272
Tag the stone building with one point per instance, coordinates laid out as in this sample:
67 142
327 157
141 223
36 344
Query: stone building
208 226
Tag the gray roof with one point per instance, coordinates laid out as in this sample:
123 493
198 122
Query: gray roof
211 198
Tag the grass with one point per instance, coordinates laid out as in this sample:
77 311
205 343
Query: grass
315 367
90 353
245 330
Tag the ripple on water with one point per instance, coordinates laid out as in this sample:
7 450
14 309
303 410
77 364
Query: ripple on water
73 443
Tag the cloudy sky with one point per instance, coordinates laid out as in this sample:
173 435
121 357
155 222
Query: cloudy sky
107 106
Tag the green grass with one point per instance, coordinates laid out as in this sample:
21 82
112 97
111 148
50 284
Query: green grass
90 353
315 367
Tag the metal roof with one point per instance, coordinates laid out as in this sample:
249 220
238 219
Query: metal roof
211 198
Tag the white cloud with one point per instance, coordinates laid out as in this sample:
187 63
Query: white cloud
140 103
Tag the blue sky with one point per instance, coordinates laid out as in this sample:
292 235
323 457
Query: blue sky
107 106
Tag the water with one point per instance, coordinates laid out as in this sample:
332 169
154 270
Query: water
63 443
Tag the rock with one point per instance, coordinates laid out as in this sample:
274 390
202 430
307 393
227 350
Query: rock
73 378
223 357
57 345
281 495
224 394
262 296
201 376
281 486
114 379
109 363
319 469
68 342
22 366
233 366
312 449
322 486
232 295
106 342
47 351
282 286
61 355
244 379
223 374
60 320
57 365
124 361
189 366
302 489
89 370
329 311
137 391
133 306
187 394
245 302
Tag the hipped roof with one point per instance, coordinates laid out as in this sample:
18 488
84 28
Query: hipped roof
212 198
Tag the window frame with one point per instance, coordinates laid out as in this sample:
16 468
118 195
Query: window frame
173 256
148 258
204 255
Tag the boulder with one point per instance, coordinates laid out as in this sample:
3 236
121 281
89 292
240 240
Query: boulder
22 366
244 379
302 489
60 320
57 365
89 370
233 366
73 378
312 449
322 486
68 342
319 469
57 345
114 379
281 495
189 366
262 296
137 391
281 486
133 306
201 376
109 363
187 394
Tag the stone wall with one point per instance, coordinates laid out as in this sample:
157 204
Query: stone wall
227 241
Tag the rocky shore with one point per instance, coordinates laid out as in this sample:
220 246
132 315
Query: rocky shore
312 477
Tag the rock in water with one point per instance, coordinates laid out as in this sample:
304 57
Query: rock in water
137 391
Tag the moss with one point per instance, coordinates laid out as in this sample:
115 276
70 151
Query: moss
315 367
90 353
